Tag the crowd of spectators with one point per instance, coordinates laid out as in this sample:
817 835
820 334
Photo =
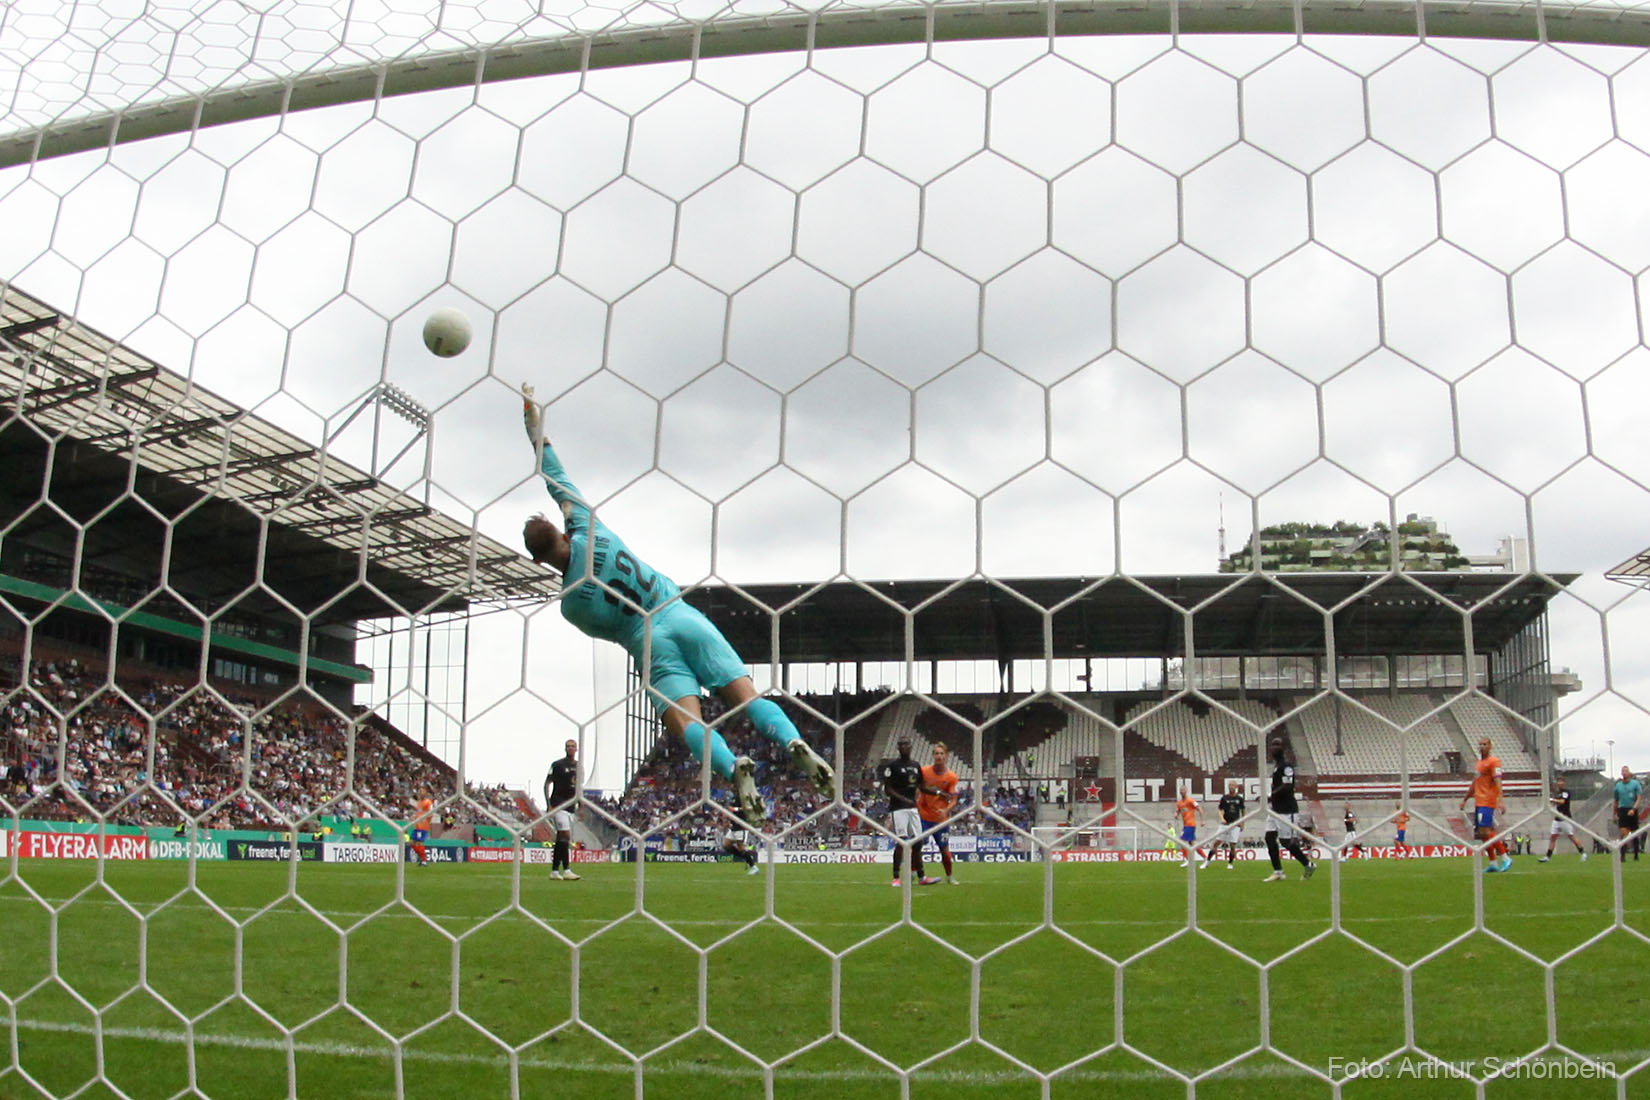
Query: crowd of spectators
77 748
667 784
659 797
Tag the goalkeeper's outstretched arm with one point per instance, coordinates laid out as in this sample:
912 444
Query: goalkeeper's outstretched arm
573 508
544 540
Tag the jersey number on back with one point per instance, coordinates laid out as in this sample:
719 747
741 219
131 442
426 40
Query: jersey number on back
644 580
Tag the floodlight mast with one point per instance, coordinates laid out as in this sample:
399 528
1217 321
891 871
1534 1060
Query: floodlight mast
383 396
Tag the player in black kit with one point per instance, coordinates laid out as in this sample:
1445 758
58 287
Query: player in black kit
561 790
1281 823
1230 833
1563 823
900 784
737 840
1350 844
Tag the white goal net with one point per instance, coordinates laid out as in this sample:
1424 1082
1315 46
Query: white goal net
1101 838
1175 305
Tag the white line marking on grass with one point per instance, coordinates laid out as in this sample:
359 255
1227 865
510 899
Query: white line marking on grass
345 916
1267 1070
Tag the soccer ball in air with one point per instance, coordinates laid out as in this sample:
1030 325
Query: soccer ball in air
447 332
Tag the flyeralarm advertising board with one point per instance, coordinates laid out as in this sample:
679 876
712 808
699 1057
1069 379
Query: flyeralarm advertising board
81 846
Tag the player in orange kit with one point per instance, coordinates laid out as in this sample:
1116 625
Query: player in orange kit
1485 794
935 798
1189 812
421 829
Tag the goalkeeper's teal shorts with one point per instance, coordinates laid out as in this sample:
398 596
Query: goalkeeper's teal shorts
689 655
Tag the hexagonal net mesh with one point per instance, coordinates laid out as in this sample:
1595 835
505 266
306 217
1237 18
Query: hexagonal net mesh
933 352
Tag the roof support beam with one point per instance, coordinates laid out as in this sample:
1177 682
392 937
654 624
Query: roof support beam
63 394
177 431
242 465
355 519
11 333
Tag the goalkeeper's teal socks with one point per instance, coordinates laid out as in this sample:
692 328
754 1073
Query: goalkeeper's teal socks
771 721
721 757
766 715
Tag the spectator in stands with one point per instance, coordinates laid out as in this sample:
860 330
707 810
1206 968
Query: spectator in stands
297 754
615 596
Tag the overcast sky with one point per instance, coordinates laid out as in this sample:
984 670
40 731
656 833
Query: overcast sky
891 313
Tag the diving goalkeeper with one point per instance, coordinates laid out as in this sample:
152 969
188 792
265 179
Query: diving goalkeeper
609 593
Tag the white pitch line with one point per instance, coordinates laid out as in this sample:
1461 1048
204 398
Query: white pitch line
1269 1070
343 916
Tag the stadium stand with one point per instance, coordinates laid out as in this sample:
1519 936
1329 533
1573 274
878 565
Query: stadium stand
1477 718
898 721
1084 734
1208 740
1025 742
1373 744
1021 734
860 724
1146 758
667 783
298 752
955 725
1045 736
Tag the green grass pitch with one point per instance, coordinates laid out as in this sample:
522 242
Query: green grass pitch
466 982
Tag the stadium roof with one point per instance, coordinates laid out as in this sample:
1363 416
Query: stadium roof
341 544
1224 615
1632 571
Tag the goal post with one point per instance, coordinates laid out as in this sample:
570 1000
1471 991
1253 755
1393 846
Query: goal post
798 315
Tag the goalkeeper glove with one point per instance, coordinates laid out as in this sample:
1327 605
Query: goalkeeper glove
530 414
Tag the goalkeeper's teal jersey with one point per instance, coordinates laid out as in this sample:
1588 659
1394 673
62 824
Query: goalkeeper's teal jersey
607 588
